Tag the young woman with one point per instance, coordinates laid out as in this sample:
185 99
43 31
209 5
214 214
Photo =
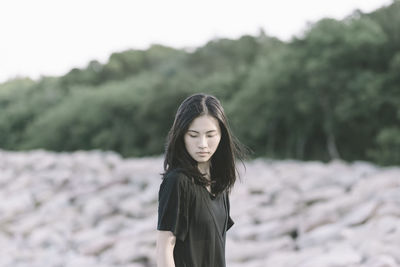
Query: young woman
199 165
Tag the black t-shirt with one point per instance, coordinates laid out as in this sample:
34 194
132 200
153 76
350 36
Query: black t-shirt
197 219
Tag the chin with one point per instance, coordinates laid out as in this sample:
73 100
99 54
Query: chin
203 159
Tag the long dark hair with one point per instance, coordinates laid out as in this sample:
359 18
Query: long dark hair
223 170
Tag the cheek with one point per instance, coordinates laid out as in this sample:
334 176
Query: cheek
188 144
215 142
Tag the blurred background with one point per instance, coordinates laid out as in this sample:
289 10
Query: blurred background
89 90
328 88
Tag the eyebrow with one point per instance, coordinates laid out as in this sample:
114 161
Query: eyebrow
206 132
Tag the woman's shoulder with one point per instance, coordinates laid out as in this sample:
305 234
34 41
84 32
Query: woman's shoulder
177 176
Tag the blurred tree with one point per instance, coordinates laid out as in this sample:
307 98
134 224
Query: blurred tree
333 57
331 93
24 101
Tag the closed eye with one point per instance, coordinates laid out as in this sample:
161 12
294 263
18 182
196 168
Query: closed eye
196 135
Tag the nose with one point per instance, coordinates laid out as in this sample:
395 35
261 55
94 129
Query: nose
202 142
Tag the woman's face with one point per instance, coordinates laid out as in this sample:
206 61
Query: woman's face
203 135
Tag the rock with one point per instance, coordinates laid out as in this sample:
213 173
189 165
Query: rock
96 208
98 246
343 256
320 236
327 212
322 194
381 261
248 251
361 213
93 208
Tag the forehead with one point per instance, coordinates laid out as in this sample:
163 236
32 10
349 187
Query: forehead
204 123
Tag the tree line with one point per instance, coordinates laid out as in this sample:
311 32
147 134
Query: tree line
332 92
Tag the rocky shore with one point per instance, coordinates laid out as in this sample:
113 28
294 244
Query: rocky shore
95 209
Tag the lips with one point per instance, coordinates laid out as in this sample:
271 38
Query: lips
203 153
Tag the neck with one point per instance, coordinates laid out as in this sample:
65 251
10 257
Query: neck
204 167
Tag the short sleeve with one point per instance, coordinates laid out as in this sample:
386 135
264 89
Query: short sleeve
230 221
173 205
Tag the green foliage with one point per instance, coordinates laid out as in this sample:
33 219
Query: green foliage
20 103
332 93
122 65
388 146
119 116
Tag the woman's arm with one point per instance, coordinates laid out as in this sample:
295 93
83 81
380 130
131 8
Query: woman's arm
165 249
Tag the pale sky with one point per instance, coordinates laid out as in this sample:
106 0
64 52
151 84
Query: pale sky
50 37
